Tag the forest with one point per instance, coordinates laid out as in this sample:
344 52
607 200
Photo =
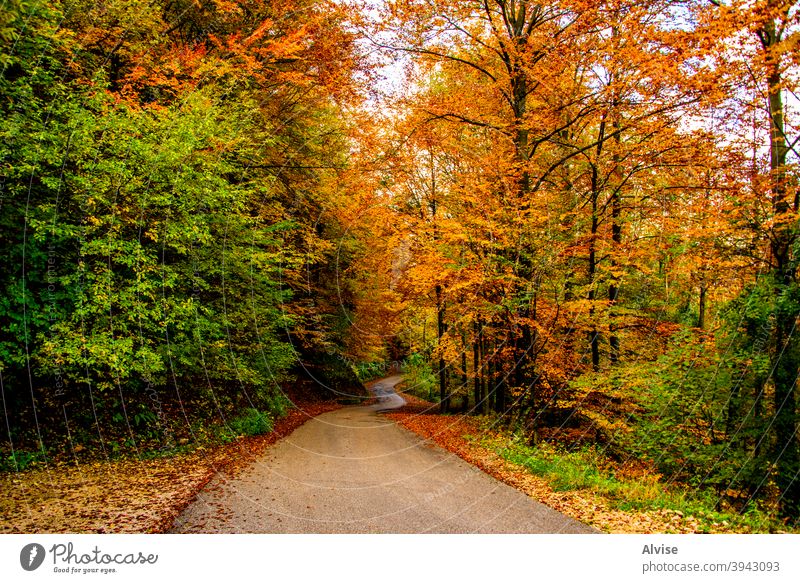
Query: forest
576 221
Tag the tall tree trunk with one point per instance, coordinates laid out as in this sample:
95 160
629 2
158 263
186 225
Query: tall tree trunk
484 408
594 335
464 377
444 397
616 241
523 340
491 377
500 392
441 327
701 308
786 452
500 389
476 364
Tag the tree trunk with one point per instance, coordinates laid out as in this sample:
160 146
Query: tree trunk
484 407
444 397
616 241
594 335
786 452
491 380
500 393
464 378
594 340
701 309
476 365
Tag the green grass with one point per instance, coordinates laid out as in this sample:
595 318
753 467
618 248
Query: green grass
588 469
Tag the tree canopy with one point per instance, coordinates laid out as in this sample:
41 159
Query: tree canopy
578 217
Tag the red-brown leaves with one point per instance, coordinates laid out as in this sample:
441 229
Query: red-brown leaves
128 496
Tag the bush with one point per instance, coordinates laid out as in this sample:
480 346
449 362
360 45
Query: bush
251 422
20 460
589 469
420 378
278 405
367 371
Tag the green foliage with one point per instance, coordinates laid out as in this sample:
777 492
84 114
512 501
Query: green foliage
681 412
20 460
589 469
367 371
420 378
154 260
278 405
334 377
250 422
679 424
568 471
697 412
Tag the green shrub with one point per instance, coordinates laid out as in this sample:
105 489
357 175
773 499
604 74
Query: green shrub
420 378
20 460
251 422
587 469
367 371
278 405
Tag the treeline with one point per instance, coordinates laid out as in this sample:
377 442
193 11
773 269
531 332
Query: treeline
595 214
168 218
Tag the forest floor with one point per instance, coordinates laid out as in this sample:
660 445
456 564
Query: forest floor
129 495
482 444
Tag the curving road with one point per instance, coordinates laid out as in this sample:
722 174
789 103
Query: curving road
353 471
385 395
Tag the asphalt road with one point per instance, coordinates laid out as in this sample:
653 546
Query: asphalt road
354 471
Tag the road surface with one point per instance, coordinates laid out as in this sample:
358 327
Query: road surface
354 471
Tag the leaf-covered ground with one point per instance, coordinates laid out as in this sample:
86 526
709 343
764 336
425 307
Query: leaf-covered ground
128 496
457 434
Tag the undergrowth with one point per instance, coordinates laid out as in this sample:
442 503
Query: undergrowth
589 469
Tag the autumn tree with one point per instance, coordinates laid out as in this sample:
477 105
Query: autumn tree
169 212
757 56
